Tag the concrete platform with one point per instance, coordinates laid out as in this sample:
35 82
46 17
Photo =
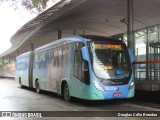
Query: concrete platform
147 85
13 98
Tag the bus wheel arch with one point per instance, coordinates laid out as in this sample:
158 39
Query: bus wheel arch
37 86
65 91
20 83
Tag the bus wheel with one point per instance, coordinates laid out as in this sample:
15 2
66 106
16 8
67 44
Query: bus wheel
66 94
37 87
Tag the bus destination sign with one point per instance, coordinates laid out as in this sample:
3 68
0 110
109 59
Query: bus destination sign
107 46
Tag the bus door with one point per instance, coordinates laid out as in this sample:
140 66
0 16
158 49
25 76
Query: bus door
80 71
59 77
59 68
76 83
30 75
55 84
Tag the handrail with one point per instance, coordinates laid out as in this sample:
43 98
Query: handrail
147 62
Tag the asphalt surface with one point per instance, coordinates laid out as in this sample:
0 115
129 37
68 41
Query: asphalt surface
13 98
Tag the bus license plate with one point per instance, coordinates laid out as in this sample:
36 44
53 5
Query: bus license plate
117 94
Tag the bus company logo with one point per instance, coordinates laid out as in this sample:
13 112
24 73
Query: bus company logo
6 114
117 88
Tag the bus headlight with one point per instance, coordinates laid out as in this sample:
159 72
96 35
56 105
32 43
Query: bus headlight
131 85
98 86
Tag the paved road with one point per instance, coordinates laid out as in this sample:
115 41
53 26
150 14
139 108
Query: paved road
13 98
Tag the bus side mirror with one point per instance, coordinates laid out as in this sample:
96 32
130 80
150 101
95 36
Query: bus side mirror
131 54
84 53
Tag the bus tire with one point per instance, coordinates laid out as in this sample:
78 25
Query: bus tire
37 87
66 94
20 83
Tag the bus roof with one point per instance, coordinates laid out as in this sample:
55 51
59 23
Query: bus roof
76 38
62 41
23 55
100 38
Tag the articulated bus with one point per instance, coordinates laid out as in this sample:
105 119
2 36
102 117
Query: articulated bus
86 67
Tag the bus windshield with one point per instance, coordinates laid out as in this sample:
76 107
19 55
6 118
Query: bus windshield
110 60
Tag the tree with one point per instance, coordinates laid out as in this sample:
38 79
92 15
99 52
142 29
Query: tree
31 5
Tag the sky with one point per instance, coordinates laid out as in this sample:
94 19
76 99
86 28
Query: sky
11 20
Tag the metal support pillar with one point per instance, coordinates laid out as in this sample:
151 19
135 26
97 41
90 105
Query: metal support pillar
17 52
9 59
59 34
158 27
83 31
130 24
147 58
32 46
3 67
130 33
74 32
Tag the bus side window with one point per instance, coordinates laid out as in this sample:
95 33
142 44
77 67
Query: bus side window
50 58
64 56
85 72
56 58
21 64
42 60
60 57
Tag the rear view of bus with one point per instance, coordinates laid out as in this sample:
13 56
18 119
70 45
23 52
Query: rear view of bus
111 72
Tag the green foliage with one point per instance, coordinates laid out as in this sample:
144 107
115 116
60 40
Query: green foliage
39 5
31 5
3 63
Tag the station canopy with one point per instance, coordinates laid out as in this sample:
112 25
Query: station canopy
89 17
